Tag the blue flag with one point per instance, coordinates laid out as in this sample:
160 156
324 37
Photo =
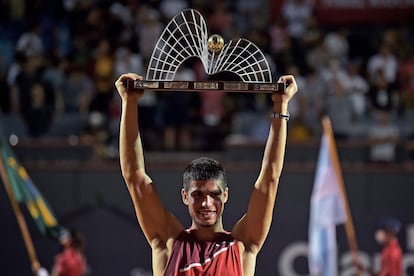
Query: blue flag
327 210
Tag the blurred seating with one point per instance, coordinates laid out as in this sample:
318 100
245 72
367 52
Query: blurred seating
68 124
12 123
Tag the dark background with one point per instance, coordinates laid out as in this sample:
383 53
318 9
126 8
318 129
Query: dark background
94 199
86 189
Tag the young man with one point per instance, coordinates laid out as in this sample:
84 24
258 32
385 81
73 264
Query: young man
71 261
391 253
205 248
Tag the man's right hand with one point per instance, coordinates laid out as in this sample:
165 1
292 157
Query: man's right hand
290 91
123 92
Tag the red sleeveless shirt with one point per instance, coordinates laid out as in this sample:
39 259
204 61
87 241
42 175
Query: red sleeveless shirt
191 257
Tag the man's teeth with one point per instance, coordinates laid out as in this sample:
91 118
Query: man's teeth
207 213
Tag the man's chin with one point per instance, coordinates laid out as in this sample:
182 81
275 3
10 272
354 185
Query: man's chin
207 224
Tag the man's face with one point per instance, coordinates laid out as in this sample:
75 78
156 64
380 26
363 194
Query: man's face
205 200
380 236
383 237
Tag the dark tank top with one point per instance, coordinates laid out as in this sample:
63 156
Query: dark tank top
190 257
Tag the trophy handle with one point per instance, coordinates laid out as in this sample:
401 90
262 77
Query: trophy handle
199 86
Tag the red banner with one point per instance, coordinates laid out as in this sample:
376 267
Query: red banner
364 11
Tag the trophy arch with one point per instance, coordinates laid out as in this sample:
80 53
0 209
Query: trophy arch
186 36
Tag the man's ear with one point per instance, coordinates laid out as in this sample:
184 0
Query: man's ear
184 196
226 194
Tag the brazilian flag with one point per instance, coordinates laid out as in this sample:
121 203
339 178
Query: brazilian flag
25 192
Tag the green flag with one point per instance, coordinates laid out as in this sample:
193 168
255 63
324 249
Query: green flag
26 192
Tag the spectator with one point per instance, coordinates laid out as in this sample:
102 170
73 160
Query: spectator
30 42
391 253
357 88
54 74
102 76
71 261
298 105
336 44
300 132
382 66
127 61
315 97
246 13
176 113
339 109
77 90
149 28
40 113
36 100
16 67
382 93
317 58
170 8
383 139
220 20
279 44
314 33
406 82
212 112
297 14
246 125
334 72
150 120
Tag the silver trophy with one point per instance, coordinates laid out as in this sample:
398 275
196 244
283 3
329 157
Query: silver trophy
185 37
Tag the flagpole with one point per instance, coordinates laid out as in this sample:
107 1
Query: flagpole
349 225
20 220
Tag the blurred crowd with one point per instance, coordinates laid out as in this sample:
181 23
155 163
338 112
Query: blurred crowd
59 61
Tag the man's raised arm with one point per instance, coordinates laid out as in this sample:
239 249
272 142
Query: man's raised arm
157 224
252 229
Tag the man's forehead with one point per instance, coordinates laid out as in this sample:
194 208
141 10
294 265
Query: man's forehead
210 184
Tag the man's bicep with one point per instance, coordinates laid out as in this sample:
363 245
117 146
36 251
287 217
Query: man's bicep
253 227
155 221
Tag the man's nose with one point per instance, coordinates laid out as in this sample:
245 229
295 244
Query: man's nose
207 200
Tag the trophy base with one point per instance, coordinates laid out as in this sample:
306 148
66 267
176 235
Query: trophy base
199 86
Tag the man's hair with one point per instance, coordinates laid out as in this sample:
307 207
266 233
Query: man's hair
204 168
389 224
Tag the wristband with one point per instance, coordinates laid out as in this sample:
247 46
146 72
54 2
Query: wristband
280 115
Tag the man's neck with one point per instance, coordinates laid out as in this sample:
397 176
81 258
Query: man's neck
390 240
207 233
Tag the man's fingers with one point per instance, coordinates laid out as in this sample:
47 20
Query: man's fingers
290 80
133 76
126 76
